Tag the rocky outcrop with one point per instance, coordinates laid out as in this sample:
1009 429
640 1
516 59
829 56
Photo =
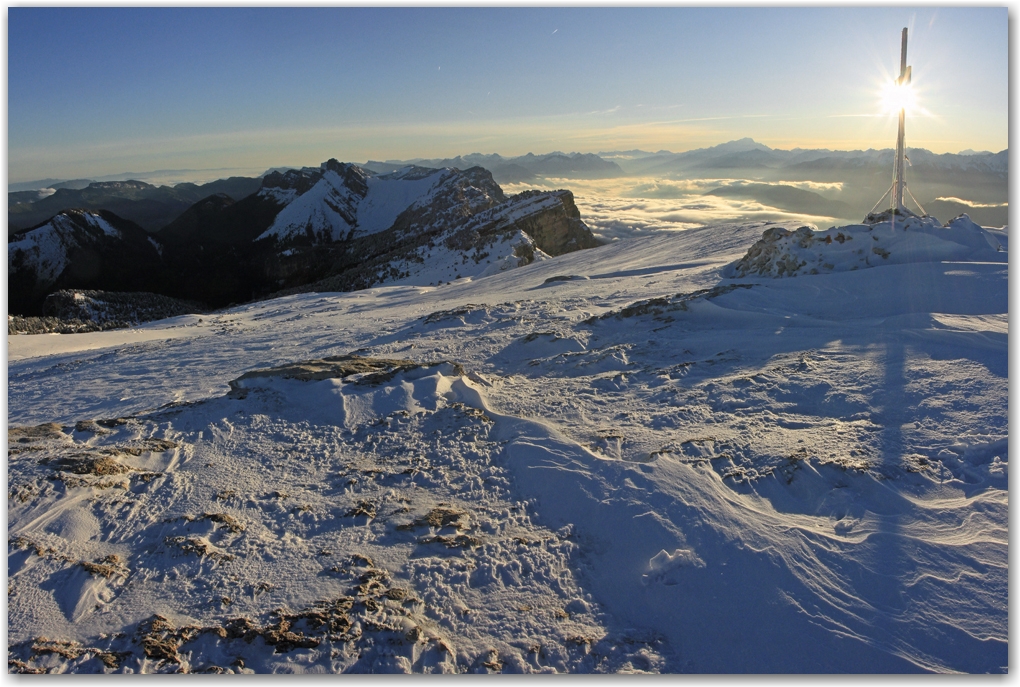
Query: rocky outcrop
772 255
456 198
552 219
348 202
429 246
880 241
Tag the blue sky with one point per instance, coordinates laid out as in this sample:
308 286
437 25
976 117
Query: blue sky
102 91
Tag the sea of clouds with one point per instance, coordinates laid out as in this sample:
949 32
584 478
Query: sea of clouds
636 206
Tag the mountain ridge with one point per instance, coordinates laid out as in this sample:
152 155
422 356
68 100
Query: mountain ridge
299 228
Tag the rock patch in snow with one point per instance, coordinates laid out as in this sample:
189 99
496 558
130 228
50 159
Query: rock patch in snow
805 250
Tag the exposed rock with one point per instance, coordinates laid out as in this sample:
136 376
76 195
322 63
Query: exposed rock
884 238
511 234
658 307
557 228
340 366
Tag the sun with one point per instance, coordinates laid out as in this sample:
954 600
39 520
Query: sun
896 97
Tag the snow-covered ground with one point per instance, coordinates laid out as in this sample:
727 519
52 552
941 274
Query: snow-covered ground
613 460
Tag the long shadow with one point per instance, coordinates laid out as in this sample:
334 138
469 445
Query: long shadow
886 594
651 270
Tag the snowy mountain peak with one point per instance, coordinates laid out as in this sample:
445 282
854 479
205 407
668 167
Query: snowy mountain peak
346 200
78 244
461 232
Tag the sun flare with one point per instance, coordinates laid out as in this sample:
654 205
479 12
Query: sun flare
896 97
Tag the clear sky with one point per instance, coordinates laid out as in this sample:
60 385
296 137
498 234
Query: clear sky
103 91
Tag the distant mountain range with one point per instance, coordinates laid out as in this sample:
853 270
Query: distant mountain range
746 153
862 175
515 169
337 225
151 207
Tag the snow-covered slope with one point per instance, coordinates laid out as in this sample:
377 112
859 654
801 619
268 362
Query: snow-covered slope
325 212
347 201
46 249
93 247
617 459
437 241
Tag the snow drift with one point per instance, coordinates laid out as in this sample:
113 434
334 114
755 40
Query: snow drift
615 460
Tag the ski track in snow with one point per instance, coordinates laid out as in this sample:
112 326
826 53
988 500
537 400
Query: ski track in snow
636 466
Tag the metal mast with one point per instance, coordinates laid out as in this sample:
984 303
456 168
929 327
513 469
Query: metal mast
902 81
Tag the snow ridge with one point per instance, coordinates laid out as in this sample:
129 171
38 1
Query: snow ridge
781 252
346 201
431 243
46 249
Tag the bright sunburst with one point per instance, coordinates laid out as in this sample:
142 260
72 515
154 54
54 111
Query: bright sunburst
896 97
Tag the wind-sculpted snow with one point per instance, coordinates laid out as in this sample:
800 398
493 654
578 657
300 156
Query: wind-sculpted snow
781 252
385 529
612 460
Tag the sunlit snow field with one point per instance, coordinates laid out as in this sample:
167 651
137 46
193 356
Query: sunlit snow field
614 460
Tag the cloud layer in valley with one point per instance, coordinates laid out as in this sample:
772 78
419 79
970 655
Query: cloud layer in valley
621 208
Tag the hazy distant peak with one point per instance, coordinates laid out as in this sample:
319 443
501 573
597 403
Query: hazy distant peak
412 173
740 145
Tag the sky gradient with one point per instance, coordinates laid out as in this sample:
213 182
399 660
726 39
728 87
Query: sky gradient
104 91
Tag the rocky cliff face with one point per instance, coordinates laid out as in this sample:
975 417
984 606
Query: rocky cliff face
456 197
552 220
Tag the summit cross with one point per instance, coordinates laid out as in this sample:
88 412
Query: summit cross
903 80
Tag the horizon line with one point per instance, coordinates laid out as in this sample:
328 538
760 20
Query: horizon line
663 151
